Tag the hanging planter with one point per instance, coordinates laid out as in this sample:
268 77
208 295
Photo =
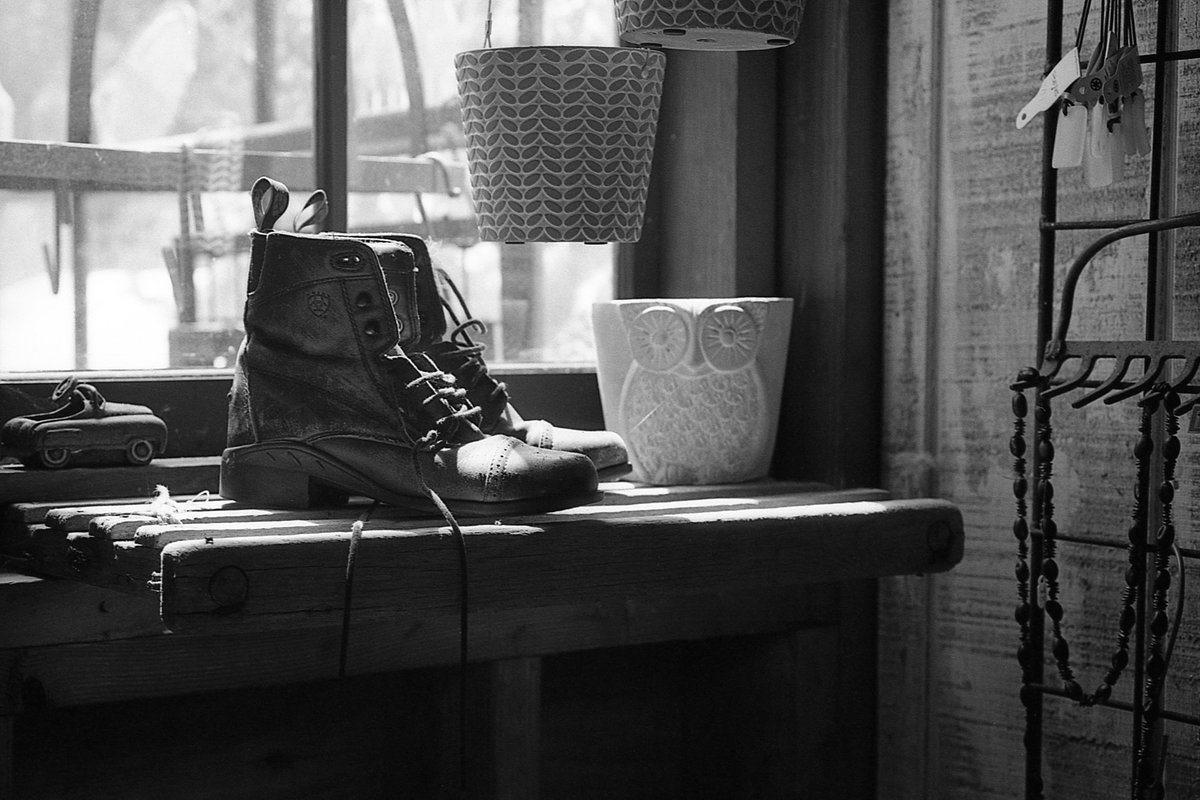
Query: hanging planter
560 140
709 25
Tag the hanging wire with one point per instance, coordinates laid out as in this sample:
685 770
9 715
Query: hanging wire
487 27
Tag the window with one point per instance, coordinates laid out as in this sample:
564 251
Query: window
130 133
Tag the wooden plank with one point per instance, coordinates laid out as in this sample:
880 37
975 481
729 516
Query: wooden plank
76 519
125 520
122 519
183 476
614 506
573 561
41 611
228 657
95 168
40 512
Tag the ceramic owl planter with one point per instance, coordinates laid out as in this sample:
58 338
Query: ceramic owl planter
693 385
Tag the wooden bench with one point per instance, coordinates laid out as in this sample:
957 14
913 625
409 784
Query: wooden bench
103 602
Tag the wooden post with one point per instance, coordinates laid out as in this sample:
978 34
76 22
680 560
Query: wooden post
331 107
515 709
502 754
713 157
7 742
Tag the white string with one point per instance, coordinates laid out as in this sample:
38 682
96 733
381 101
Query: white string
487 27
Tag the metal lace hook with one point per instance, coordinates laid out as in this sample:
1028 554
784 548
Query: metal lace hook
1085 371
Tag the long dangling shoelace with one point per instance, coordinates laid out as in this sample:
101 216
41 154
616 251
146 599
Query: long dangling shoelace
444 389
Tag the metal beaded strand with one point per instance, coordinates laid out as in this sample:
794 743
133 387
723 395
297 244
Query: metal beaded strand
1049 586
1133 573
1156 663
1048 583
1017 446
1028 378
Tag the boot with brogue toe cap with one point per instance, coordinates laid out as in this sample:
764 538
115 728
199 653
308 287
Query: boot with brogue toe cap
455 352
325 402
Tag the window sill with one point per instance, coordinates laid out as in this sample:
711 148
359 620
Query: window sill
193 402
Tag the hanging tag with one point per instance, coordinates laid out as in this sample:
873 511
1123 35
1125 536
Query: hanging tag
1116 148
1127 73
1097 158
1133 123
1110 91
1087 90
1070 136
1053 85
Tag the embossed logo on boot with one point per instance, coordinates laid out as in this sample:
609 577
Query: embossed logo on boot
318 303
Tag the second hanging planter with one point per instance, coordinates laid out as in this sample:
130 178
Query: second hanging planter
560 140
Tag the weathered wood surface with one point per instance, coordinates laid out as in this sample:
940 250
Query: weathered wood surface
184 476
649 564
960 315
82 665
94 543
568 562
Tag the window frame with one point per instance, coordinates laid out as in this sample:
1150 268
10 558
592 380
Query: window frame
805 160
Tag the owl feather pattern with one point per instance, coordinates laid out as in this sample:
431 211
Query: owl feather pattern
693 401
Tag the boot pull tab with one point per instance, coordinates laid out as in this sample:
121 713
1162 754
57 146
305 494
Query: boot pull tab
270 199
316 208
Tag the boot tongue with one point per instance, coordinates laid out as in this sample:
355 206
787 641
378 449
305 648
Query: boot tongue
429 301
399 273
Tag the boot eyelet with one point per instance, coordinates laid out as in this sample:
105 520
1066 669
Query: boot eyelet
363 300
347 261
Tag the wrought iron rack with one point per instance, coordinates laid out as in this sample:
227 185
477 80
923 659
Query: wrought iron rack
1066 365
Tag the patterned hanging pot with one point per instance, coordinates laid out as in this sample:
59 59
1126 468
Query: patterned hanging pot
709 24
560 140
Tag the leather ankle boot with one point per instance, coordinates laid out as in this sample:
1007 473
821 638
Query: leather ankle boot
325 402
455 352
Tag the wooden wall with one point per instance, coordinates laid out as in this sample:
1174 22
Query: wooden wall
963 189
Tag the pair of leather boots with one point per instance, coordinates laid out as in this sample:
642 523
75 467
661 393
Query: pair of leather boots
350 382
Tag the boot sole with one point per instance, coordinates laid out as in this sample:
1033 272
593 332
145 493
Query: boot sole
614 472
295 475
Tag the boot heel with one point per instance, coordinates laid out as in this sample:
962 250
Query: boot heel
246 480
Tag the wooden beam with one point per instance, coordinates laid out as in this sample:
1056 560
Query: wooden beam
331 107
711 229
832 105
40 165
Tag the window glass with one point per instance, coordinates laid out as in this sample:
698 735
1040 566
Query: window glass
535 299
131 131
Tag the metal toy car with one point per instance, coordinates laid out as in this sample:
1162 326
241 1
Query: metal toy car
85 429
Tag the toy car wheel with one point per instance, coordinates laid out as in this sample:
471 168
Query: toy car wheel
54 458
139 452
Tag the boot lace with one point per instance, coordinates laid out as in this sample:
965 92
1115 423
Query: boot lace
460 345
452 397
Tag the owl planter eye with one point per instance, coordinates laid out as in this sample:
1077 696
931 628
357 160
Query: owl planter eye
660 337
729 337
